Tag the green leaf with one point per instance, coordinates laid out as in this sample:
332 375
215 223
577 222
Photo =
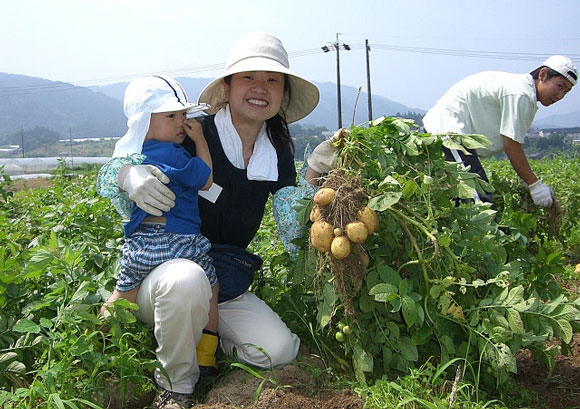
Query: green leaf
451 144
389 275
405 287
464 191
515 296
45 322
384 201
422 335
384 292
563 330
526 305
25 325
325 310
40 260
408 350
409 309
16 367
515 321
477 141
362 362
410 188
7 357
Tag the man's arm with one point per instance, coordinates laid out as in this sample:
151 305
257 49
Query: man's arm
541 194
515 152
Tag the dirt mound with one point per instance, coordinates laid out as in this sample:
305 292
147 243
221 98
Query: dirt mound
289 388
556 390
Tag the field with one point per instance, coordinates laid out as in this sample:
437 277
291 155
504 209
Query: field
431 323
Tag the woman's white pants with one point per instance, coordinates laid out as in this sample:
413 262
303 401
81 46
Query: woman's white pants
174 300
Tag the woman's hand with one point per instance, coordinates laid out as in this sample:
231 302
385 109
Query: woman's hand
145 185
324 156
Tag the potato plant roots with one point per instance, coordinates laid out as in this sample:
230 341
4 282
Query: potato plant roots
349 272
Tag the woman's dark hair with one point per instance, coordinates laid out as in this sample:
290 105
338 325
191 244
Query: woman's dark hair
277 127
551 73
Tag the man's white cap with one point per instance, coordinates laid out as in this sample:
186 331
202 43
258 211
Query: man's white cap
564 66
143 97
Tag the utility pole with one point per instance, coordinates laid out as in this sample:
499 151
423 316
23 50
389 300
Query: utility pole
369 94
22 140
337 46
70 144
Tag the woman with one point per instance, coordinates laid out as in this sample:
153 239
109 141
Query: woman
248 138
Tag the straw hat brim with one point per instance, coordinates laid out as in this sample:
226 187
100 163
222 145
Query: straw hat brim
304 94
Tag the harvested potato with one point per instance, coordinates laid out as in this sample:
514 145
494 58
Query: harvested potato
369 218
340 247
324 196
365 258
577 269
356 232
321 235
337 231
314 214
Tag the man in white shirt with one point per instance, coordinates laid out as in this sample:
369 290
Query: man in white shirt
502 106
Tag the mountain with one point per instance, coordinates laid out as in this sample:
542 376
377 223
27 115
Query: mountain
89 112
558 121
323 115
28 102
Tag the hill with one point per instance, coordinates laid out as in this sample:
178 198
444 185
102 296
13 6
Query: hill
323 115
558 121
90 112
29 102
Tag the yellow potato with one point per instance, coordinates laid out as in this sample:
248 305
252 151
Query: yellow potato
324 196
369 218
340 247
314 214
337 231
577 269
365 258
321 236
356 232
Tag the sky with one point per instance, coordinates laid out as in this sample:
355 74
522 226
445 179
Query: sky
418 48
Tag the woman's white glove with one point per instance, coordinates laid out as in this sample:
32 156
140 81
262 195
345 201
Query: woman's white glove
541 194
323 157
145 185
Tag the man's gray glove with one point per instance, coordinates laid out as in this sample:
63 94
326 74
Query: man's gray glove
323 157
145 185
541 194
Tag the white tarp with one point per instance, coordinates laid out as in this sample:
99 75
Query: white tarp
20 166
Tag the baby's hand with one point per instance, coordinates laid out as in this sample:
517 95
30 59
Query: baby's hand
193 130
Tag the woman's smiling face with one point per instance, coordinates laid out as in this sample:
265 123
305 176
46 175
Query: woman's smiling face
255 96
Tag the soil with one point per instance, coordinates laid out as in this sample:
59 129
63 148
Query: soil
293 388
20 184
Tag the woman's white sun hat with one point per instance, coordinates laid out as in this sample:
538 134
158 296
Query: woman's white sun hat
145 96
263 52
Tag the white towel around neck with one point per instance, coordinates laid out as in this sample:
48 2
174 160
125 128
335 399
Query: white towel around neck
263 164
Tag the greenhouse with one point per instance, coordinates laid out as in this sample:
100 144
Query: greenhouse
30 166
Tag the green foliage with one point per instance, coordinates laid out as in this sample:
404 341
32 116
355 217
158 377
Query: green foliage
59 253
516 209
445 278
424 387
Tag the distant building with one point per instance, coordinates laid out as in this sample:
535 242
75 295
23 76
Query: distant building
573 133
12 149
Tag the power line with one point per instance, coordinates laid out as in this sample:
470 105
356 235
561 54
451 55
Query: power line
63 86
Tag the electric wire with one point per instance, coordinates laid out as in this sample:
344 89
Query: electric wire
59 86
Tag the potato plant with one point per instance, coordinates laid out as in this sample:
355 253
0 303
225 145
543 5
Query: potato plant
58 257
445 279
